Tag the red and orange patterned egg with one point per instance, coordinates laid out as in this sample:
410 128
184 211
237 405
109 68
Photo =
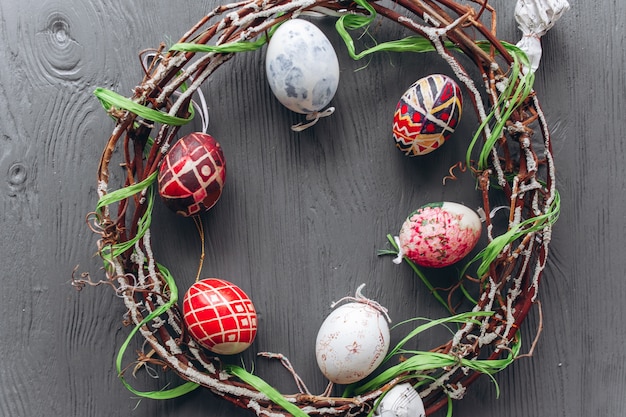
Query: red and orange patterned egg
439 234
219 316
427 114
192 174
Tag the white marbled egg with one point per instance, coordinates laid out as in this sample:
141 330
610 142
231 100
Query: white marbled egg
352 342
302 67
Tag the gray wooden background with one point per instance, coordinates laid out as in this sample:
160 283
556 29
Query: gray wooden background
302 215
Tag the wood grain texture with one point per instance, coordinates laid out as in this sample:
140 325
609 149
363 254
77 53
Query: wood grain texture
302 215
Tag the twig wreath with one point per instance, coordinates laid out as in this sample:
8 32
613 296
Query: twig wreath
510 154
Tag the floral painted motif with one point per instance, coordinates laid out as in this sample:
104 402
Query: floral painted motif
352 342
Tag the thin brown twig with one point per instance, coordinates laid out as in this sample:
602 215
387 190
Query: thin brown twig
537 334
198 222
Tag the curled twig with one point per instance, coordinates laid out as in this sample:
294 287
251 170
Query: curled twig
451 176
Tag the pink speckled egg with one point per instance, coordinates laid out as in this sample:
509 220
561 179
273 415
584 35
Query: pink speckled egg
192 174
439 234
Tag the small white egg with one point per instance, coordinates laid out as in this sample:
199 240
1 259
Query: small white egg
352 342
401 401
302 67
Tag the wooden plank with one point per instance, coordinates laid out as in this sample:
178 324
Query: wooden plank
302 216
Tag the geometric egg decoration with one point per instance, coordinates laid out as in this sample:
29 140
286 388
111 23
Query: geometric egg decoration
439 234
192 174
427 114
302 67
352 342
219 316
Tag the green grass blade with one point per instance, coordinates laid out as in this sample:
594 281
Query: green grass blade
488 254
232 47
162 394
262 386
124 193
417 272
458 318
514 94
111 99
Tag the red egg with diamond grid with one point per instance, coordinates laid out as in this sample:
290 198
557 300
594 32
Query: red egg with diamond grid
219 316
192 174
427 114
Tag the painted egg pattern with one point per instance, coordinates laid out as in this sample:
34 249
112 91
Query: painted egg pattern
302 67
439 234
351 342
401 401
220 316
192 174
427 114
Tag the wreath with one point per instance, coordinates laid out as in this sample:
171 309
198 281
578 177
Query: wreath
510 157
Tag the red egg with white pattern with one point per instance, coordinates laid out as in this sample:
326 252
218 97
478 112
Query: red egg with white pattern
219 316
439 234
192 174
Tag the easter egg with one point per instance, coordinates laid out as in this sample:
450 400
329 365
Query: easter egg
401 401
192 174
302 67
352 341
439 234
219 316
427 114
